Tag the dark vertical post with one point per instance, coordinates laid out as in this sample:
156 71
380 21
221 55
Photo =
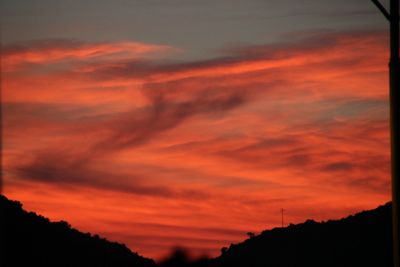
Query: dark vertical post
395 124
394 94
282 217
1 118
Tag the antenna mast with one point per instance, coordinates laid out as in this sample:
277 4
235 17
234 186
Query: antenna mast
394 73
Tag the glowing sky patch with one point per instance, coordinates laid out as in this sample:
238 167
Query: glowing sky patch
162 141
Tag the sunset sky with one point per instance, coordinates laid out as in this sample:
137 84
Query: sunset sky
163 123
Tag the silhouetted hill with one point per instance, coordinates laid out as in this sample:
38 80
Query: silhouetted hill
32 240
363 240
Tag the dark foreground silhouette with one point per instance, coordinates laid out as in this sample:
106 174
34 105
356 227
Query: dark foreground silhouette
363 240
360 240
28 239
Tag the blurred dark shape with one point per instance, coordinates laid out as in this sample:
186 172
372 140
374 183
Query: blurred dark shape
28 239
180 257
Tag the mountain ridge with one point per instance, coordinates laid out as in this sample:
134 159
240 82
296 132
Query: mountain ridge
29 239
362 239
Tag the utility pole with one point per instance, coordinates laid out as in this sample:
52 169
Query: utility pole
1 121
282 217
394 73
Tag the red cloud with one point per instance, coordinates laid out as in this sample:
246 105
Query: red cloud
224 143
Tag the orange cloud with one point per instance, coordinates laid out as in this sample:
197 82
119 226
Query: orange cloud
53 51
177 153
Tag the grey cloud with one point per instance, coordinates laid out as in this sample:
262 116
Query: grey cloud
338 166
68 169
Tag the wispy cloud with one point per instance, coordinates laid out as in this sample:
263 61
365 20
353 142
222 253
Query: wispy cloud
299 124
55 50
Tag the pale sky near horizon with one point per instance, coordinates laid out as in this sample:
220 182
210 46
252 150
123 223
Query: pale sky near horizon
200 27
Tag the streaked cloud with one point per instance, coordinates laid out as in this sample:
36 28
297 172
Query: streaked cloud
56 50
190 148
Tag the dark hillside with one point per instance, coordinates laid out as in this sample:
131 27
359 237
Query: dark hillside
360 240
29 239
